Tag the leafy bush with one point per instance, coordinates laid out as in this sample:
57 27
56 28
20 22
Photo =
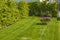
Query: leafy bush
9 13
53 9
34 8
43 8
24 9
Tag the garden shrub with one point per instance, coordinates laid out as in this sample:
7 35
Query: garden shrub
34 8
24 9
53 9
9 13
43 8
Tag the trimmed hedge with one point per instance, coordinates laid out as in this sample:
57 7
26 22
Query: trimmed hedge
43 8
9 13
24 9
34 8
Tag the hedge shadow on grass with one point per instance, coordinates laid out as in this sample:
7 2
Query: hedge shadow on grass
41 23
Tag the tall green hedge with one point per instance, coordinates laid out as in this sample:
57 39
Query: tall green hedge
9 13
43 8
34 9
54 9
24 9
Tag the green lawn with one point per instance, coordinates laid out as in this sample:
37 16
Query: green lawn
59 30
30 29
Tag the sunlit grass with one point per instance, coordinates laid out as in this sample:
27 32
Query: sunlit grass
58 30
30 29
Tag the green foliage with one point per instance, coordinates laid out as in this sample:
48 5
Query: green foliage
43 8
34 9
54 9
23 8
9 13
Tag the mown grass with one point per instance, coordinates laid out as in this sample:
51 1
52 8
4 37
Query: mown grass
30 29
58 30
